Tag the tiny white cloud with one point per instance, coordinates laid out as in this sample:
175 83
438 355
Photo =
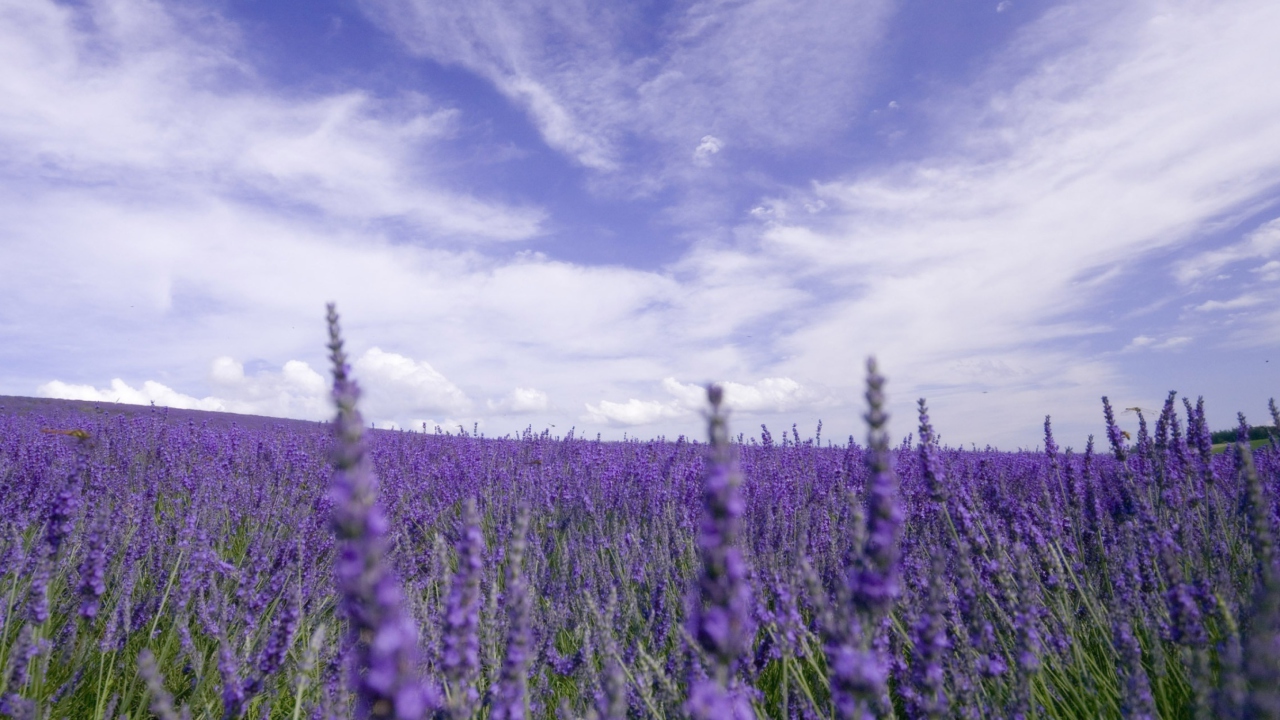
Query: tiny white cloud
1146 342
1237 303
710 145
1004 6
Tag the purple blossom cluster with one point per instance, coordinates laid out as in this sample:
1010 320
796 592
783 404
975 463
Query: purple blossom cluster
173 564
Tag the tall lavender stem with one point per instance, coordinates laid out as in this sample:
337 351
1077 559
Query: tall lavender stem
383 637
721 620
858 670
461 659
510 697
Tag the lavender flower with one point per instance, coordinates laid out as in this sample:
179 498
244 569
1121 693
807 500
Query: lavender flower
876 583
1114 434
461 658
858 674
930 465
720 620
929 646
233 690
92 569
383 637
510 699
1136 701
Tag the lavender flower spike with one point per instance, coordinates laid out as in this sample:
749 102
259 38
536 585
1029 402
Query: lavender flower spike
721 620
510 697
383 637
858 671
461 659
876 584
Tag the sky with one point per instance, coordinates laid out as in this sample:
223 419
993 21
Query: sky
574 214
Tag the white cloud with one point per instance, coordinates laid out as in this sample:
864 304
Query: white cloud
1261 243
521 400
1107 139
770 395
708 146
633 412
715 65
1236 303
1146 342
119 391
1269 271
395 384
296 390
130 96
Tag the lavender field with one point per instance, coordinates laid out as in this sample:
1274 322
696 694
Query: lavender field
156 566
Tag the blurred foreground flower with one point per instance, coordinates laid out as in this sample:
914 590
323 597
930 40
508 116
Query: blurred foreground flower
383 637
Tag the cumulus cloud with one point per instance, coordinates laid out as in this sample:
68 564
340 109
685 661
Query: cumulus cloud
397 385
770 395
633 412
521 400
394 388
296 390
151 393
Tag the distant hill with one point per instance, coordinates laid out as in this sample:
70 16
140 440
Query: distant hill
61 409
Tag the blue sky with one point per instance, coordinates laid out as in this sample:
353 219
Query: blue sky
577 213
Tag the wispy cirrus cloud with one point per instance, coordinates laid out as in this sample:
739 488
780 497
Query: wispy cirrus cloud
130 97
762 73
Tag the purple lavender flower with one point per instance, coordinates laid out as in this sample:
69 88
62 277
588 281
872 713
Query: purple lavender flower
1257 506
720 619
278 643
857 679
707 699
875 584
62 515
1114 434
93 568
37 592
1136 701
929 646
930 465
510 696
858 673
383 637
461 657
233 690
1184 612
